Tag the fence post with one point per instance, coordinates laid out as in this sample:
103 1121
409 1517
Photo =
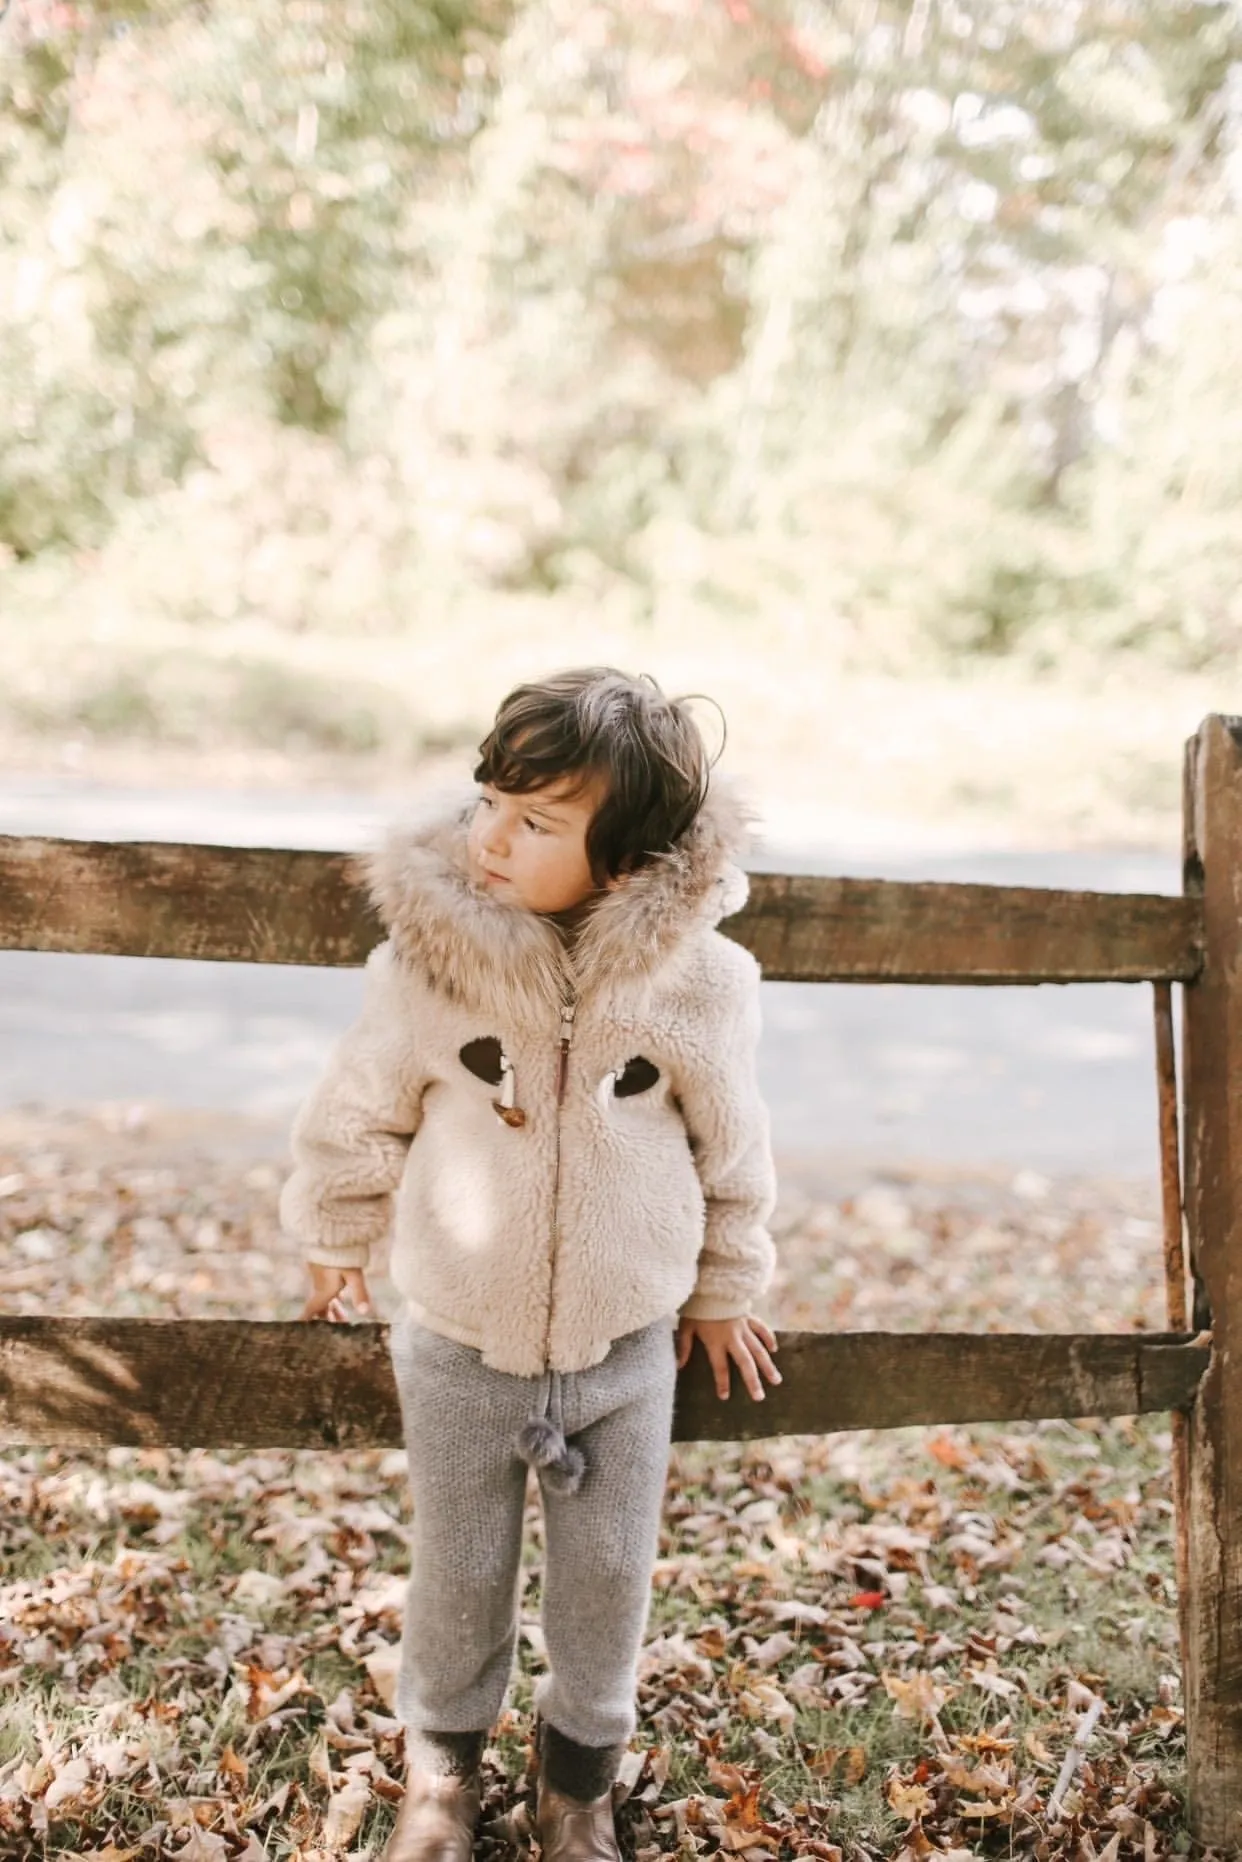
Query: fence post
1212 1126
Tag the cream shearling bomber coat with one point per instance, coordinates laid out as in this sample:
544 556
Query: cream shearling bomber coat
573 1136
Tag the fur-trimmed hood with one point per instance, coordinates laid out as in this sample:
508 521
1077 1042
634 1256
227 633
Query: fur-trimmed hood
478 950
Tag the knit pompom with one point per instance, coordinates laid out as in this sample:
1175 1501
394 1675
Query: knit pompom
539 1442
565 1474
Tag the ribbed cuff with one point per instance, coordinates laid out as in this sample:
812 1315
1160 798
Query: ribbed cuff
714 1306
581 1772
444 1755
340 1257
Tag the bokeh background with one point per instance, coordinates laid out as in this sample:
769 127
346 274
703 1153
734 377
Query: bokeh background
871 366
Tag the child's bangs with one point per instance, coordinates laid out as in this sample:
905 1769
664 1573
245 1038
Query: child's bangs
531 755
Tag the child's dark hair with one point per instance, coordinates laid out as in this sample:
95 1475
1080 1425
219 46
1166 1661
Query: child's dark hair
597 722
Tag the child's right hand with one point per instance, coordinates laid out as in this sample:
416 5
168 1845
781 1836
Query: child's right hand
328 1285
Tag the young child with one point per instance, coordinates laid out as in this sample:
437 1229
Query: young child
554 1075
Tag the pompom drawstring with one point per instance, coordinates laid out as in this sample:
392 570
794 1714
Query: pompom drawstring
541 1443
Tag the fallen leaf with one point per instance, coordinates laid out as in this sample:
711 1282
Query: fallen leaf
772 1649
383 1665
948 1453
731 1778
270 1806
266 1692
850 1760
319 1763
982 1742
255 1586
916 1697
202 1846
743 1841
68 1784
763 1700
233 1769
855 1766
993 1683
346 1809
629 1771
908 1800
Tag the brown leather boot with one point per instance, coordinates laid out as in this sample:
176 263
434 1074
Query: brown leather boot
436 1820
574 1828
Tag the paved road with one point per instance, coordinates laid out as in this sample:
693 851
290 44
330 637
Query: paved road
1050 1080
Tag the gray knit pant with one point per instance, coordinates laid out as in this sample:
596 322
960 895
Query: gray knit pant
461 1420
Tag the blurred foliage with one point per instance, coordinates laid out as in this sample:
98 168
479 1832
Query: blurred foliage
180 699
920 319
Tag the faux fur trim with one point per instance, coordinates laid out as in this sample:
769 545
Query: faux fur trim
479 950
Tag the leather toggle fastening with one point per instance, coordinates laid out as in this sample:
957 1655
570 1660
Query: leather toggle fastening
487 1060
509 1112
638 1075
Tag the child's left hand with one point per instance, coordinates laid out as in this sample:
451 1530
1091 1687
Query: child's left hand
746 1341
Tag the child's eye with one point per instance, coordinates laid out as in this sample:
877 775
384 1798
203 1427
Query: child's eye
534 826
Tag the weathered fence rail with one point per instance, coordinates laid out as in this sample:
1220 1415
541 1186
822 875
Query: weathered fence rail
192 1382
90 1381
271 905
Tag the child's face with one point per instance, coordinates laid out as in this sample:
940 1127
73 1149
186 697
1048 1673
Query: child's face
531 849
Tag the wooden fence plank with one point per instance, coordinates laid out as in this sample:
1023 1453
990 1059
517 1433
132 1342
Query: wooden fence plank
258 905
250 1384
1212 1126
803 928
1176 1312
162 899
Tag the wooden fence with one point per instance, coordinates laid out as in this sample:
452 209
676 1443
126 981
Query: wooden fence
86 1382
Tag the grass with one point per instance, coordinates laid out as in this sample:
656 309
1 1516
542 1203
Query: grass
863 1645
1102 1624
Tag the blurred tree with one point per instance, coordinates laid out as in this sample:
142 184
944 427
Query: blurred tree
288 143
355 299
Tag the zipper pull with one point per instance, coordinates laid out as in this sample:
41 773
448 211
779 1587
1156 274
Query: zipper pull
567 1035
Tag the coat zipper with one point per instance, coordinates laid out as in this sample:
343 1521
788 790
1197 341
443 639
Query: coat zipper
568 1009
